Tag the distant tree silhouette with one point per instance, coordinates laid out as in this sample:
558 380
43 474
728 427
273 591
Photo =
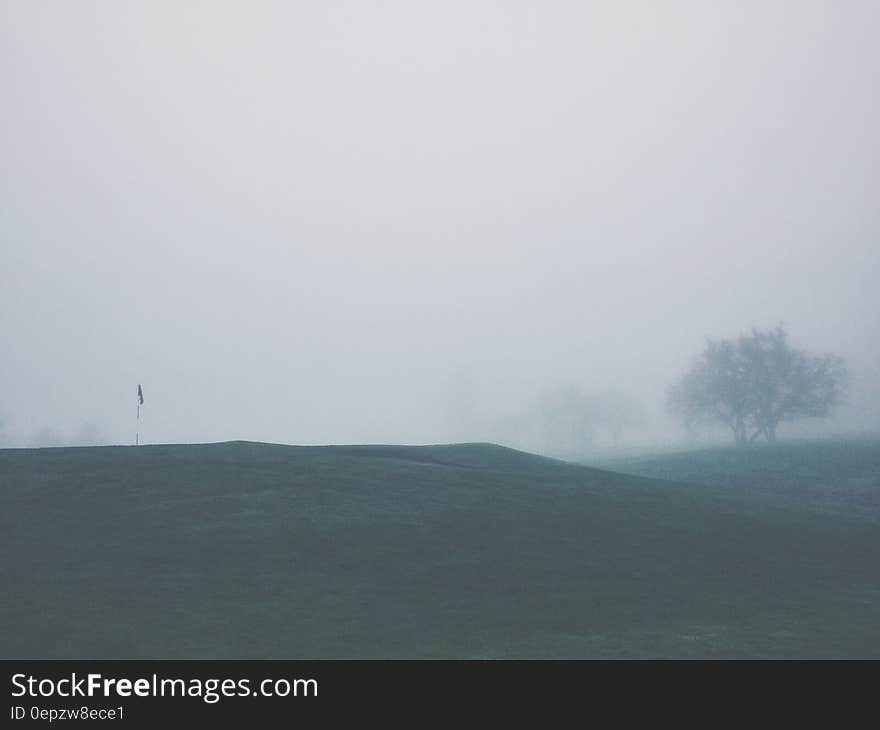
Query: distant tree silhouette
565 420
755 382
47 436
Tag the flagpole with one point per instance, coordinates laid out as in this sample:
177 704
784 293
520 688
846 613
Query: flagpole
140 400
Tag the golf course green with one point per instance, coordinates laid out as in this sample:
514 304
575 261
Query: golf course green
252 550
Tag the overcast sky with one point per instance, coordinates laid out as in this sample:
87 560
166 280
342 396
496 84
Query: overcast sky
313 222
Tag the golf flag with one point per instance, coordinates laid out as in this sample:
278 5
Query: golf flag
140 395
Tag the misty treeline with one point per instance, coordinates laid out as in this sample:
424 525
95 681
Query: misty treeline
755 382
566 420
88 434
750 384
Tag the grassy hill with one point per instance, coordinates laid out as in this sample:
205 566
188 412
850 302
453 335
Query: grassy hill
834 475
245 550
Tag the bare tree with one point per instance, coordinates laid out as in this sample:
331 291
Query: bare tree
755 382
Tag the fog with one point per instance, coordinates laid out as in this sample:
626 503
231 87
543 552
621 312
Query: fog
328 222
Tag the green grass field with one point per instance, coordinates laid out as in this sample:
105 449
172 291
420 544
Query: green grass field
833 475
244 550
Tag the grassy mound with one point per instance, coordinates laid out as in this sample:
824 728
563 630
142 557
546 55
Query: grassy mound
244 550
832 475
